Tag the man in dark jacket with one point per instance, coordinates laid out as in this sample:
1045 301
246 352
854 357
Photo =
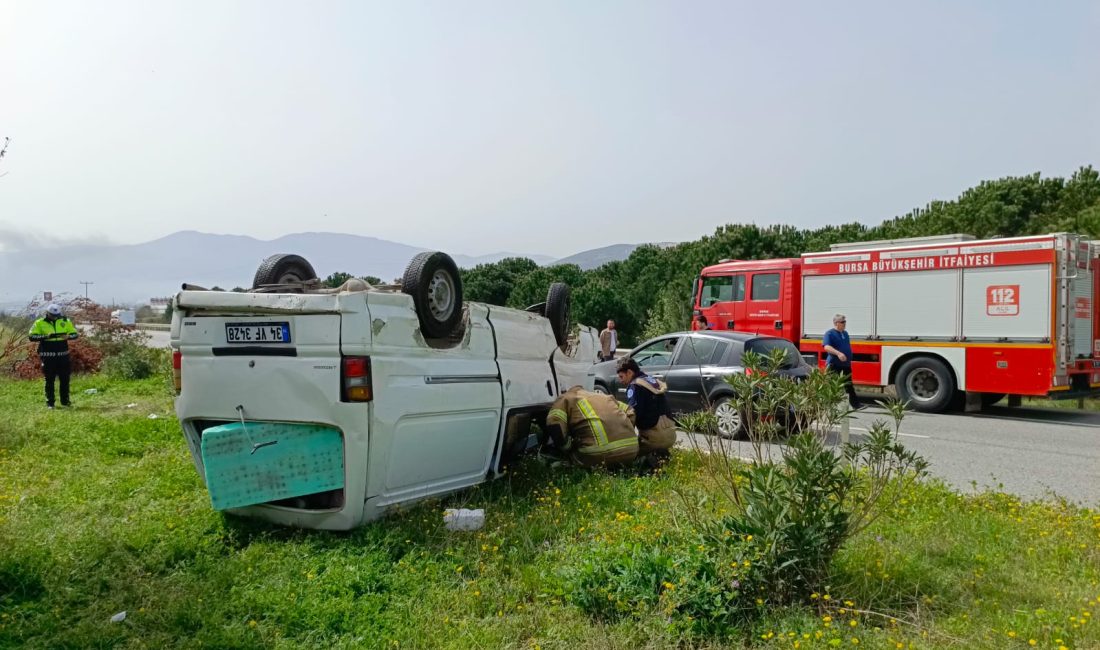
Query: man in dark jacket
647 396
53 332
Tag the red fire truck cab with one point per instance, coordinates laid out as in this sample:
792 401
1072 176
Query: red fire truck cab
938 318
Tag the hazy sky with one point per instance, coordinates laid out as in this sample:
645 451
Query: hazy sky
536 127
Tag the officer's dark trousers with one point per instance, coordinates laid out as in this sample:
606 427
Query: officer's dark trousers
57 368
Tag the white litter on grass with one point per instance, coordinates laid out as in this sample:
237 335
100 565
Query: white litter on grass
153 416
463 519
130 406
91 391
119 617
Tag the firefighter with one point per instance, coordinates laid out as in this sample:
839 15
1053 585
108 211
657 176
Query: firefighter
593 429
646 397
53 333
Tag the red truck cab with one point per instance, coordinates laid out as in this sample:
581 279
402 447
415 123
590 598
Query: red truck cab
758 296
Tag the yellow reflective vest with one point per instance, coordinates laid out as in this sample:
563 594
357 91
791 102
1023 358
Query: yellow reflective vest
53 336
596 424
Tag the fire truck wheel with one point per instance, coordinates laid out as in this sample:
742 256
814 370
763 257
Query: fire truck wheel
730 422
433 281
926 384
283 269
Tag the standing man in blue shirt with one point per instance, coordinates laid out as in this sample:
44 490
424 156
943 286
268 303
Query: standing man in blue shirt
839 346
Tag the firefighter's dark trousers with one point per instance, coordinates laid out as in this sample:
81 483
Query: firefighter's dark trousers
57 368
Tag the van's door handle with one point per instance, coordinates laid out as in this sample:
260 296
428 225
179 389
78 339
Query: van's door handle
549 389
778 324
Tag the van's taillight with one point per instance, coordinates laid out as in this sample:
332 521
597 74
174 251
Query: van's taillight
177 371
356 378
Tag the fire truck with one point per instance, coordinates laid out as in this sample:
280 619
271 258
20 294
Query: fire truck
948 321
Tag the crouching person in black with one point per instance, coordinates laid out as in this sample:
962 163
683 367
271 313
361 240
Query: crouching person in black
647 396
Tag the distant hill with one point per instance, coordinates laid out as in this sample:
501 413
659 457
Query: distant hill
134 273
597 257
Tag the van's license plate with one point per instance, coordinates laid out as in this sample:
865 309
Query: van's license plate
253 333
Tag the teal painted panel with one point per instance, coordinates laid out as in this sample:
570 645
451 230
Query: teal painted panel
290 460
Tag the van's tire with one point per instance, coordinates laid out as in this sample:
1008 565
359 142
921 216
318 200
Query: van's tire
433 281
559 310
926 384
283 269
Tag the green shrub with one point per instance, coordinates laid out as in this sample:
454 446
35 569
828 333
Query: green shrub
702 585
131 360
702 421
803 500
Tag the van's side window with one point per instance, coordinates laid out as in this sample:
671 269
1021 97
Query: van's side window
765 286
722 288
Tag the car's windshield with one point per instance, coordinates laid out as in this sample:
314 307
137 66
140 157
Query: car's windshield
764 347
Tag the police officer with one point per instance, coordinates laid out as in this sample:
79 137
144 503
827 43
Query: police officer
592 428
647 397
53 332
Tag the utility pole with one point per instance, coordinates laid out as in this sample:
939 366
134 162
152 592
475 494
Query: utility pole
86 288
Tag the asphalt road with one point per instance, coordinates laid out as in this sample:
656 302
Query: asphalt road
158 338
1032 452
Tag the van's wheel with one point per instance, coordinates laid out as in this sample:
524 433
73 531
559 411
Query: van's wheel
558 310
433 281
283 269
730 422
600 388
926 384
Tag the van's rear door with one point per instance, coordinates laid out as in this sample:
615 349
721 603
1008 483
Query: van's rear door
275 355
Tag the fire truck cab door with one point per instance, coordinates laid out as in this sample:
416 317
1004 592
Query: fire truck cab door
722 301
764 308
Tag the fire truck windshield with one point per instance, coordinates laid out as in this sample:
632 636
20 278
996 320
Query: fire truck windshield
722 288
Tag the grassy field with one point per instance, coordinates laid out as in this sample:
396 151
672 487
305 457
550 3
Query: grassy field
101 512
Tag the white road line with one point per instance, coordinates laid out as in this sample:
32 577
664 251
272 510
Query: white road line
907 435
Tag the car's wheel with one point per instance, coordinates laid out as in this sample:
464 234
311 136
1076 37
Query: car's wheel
283 269
433 281
729 420
558 310
926 384
601 389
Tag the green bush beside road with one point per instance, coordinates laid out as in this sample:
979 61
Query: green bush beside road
101 511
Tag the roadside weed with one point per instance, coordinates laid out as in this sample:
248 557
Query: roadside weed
101 511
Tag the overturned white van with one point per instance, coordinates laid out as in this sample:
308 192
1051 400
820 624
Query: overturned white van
324 408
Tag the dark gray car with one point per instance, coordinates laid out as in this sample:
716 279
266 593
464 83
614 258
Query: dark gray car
695 364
